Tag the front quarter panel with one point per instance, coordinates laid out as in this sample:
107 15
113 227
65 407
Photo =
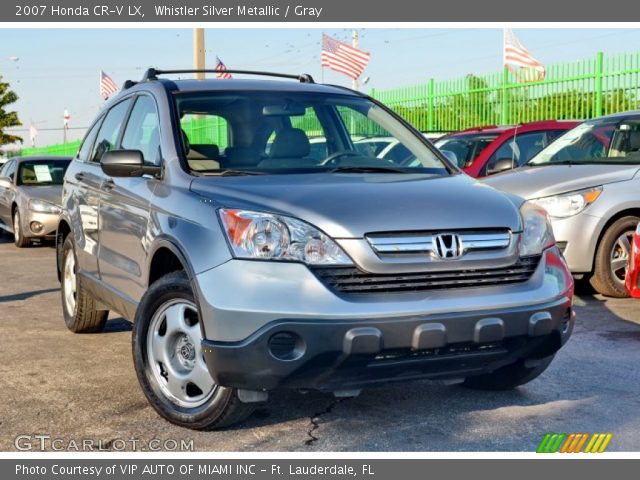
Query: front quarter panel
190 223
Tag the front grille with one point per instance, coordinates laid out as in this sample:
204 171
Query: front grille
356 281
424 242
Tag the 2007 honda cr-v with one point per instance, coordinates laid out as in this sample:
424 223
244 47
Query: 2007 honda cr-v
248 261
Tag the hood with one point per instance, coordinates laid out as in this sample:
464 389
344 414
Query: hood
351 205
535 182
49 193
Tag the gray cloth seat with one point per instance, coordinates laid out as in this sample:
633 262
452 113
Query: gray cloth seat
290 149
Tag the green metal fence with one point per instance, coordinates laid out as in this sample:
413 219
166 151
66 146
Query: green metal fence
577 90
62 149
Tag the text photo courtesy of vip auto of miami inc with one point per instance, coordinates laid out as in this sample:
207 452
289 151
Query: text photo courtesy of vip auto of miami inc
320 240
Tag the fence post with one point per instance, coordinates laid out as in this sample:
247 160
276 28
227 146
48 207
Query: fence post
599 75
504 118
430 99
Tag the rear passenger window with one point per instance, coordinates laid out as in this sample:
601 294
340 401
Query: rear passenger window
87 143
110 130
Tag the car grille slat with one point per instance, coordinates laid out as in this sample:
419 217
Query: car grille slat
354 280
423 242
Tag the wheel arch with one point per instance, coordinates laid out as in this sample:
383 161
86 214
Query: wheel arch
62 232
164 257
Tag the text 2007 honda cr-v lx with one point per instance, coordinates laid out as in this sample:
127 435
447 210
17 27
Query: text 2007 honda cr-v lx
255 248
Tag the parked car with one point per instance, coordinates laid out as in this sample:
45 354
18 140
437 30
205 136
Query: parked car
30 193
588 182
284 271
632 282
489 150
381 146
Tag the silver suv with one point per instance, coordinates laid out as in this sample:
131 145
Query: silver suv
248 261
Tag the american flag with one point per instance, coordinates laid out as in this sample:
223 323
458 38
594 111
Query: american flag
342 57
107 86
517 58
221 70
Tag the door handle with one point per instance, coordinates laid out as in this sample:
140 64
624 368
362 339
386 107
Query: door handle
108 185
79 176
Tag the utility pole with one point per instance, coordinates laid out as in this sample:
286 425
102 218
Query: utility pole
355 43
198 52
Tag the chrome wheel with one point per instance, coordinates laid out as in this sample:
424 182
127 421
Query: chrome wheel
70 286
175 355
619 259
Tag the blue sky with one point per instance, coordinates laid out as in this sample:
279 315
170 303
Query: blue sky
59 68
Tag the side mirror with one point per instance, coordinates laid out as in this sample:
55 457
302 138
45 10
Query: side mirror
501 165
126 163
451 156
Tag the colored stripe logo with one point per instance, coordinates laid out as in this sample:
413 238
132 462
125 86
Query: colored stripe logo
574 443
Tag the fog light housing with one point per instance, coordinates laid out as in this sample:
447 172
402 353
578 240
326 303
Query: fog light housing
286 346
36 227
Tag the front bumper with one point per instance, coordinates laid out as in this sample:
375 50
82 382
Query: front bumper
271 324
47 224
579 236
338 355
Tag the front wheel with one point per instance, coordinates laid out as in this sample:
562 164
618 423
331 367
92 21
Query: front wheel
169 362
612 258
509 376
18 235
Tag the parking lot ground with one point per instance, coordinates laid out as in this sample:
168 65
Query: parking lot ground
83 387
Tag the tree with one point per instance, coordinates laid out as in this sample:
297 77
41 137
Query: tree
7 119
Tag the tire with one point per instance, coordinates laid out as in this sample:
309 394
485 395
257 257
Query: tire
18 236
508 377
612 256
169 362
81 313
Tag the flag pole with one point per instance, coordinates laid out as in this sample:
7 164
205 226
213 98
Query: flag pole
321 65
355 42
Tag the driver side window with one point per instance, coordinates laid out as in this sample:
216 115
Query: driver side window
109 131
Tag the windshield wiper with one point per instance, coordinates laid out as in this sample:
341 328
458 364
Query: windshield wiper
365 169
231 172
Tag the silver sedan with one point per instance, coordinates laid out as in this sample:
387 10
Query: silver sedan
30 194
588 180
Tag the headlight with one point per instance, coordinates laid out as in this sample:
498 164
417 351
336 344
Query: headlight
537 233
264 236
42 206
568 204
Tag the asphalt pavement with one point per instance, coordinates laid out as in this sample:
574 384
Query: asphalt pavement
55 385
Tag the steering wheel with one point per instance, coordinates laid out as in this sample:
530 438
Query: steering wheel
331 159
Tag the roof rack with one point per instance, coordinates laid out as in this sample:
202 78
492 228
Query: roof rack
152 74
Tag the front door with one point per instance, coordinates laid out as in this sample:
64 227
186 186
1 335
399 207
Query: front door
124 207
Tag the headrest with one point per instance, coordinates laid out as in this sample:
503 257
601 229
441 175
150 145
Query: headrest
634 140
290 143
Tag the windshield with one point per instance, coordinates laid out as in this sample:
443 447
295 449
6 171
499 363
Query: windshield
467 147
294 132
42 172
604 141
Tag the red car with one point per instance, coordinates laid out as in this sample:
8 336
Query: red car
633 271
483 151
